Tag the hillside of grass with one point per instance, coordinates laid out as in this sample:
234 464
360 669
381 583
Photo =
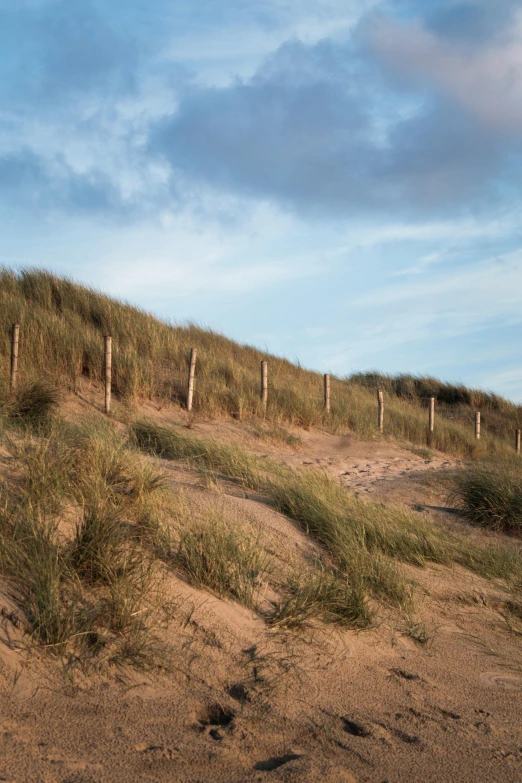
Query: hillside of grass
168 560
62 325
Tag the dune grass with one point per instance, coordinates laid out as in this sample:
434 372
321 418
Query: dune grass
272 432
323 592
72 543
422 387
33 404
85 522
62 326
490 495
226 458
366 541
219 552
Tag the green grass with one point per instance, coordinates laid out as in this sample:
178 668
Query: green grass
321 592
33 404
490 495
61 337
45 588
75 527
366 541
220 553
274 433
225 458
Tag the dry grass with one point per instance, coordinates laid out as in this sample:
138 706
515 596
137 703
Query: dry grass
33 404
71 538
365 541
62 325
219 552
321 592
490 495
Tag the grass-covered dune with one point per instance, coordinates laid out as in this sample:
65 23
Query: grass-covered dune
61 329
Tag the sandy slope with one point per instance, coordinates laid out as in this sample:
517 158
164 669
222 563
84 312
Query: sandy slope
243 703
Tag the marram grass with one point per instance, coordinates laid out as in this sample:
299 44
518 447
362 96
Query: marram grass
490 495
62 325
366 541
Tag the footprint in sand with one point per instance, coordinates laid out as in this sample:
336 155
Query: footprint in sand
355 728
157 751
71 764
268 765
404 675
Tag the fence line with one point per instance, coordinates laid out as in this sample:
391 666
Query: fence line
444 410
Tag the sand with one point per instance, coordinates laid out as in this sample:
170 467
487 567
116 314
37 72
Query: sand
242 703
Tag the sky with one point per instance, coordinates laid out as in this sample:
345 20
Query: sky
334 181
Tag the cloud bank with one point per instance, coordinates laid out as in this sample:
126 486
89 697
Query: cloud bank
404 114
403 117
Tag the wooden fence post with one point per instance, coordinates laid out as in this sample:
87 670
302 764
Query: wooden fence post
15 336
477 425
327 392
108 373
191 377
380 400
517 441
264 384
431 422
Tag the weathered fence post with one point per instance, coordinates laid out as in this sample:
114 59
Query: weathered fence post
264 384
108 373
191 377
517 441
15 336
380 400
431 420
477 425
327 392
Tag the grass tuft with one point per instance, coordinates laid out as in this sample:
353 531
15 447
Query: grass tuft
33 404
221 554
77 520
490 495
325 593
228 459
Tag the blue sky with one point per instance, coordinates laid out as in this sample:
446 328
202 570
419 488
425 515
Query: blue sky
338 181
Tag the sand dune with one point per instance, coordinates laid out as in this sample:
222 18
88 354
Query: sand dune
241 702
